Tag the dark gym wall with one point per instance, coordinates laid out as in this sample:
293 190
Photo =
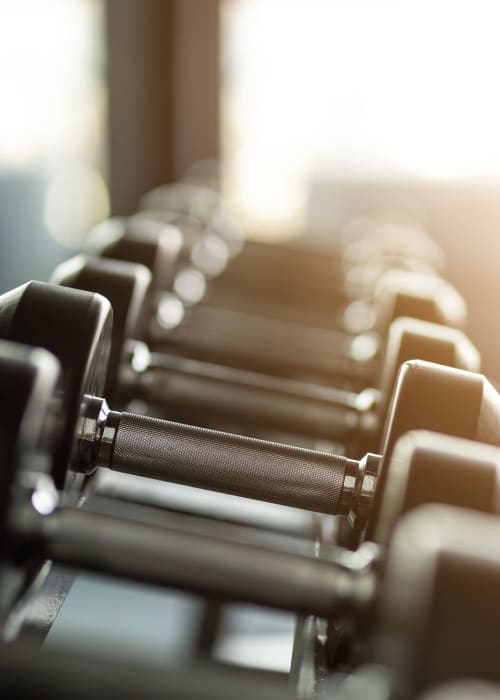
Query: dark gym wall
163 73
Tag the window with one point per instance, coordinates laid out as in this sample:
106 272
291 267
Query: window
52 131
322 89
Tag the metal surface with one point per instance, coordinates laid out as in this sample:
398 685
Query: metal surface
30 673
163 556
224 462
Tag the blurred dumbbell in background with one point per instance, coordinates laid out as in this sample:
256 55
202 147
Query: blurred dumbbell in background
197 391
281 347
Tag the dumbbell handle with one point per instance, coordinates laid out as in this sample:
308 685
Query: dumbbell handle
220 461
189 387
31 673
205 564
289 388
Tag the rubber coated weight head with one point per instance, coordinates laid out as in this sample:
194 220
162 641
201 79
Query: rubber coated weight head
409 339
427 297
76 327
152 244
441 399
28 379
414 339
439 615
430 396
125 285
434 468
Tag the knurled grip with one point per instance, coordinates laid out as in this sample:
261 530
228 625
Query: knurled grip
220 461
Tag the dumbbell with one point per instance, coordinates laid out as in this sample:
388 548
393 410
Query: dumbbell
299 290
107 231
207 322
296 259
76 327
38 674
29 382
394 236
253 343
156 246
294 297
295 350
456 403
454 619
325 586
78 541
425 468
202 249
38 526
192 390
438 614
212 322
126 285
409 338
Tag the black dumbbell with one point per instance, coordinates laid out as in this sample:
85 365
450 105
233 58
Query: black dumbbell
429 466
425 468
455 402
325 585
202 250
291 271
37 674
76 327
37 526
408 339
127 285
155 245
396 236
293 293
292 349
365 261
245 336
438 612
35 516
478 564
284 348
190 390
274 268
435 629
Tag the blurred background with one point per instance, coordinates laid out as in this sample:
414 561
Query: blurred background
314 110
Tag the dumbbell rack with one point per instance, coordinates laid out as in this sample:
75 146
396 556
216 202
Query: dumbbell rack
321 649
